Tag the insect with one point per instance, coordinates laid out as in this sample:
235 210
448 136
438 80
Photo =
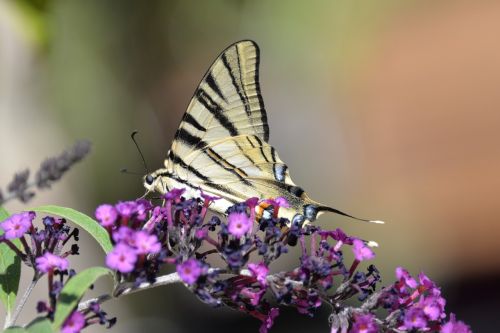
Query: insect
221 146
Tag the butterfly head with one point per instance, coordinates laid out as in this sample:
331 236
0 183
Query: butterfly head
153 182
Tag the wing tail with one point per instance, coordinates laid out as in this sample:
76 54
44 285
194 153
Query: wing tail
336 211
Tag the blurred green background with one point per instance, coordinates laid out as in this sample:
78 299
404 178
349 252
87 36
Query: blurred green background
386 109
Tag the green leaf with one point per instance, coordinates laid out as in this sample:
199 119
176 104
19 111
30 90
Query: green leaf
85 222
40 325
73 291
10 271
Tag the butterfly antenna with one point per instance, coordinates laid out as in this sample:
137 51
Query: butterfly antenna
128 172
134 133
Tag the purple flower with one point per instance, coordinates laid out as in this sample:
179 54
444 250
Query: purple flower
156 217
253 296
279 202
239 224
252 202
208 197
142 209
124 234
122 258
415 318
201 233
146 243
403 275
337 234
268 322
17 225
74 323
361 251
106 215
50 261
126 208
426 282
174 193
364 323
454 326
433 307
259 271
189 271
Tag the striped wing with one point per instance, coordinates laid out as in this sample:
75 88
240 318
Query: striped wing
226 103
244 166
221 144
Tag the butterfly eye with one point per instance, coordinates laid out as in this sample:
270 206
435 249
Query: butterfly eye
149 179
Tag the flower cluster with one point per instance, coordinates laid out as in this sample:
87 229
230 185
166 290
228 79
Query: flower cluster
179 232
417 304
412 305
78 320
137 252
43 250
50 171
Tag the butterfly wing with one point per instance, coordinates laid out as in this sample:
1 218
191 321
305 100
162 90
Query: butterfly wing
221 144
246 166
226 103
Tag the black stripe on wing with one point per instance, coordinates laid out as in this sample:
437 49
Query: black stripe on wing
237 87
216 110
214 186
259 141
214 86
179 161
193 122
220 161
294 190
246 155
263 115
192 140
242 92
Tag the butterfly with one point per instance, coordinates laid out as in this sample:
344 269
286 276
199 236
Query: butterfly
221 146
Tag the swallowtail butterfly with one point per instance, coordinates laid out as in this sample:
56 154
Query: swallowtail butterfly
221 146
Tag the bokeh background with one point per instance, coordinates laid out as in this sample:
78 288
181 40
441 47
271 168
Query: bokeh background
387 109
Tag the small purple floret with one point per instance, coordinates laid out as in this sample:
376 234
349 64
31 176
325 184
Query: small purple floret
415 318
364 323
174 193
268 322
433 307
239 224
142 209
50 261
17 225
74 323
282 202
259 272
208 197
454 326
126 208
403 275
361 250
123 234
106 215
122 258
426 282
189 271
146 243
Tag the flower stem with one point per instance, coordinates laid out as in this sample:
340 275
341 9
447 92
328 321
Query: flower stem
129 288
12 320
